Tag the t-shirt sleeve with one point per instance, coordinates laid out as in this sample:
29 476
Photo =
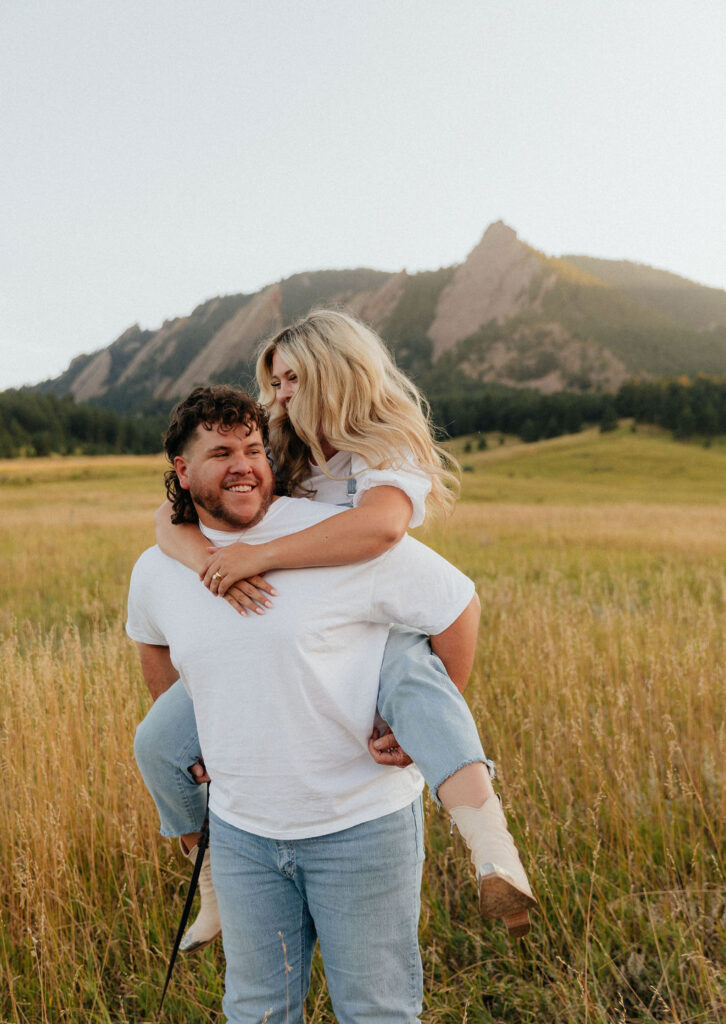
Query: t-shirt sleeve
415 586
140 624
402 473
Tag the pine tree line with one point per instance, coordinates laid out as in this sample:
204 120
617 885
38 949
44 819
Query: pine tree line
33 423
686 406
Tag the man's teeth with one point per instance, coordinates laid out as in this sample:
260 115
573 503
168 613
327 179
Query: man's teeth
242 488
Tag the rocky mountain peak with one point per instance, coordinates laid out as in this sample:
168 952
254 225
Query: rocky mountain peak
498 234
492 284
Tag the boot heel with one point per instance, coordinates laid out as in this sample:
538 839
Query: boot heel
504 890
517 924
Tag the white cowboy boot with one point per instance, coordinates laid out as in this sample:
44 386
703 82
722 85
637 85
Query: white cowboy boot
503 887
207 925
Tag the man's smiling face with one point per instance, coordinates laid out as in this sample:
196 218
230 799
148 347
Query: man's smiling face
227 475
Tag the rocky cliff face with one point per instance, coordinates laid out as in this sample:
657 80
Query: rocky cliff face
507 314
493 284
234 341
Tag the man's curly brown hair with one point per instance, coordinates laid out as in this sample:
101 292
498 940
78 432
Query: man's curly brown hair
217 406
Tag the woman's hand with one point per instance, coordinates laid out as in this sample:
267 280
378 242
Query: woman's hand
234 573
250 595
234 562
384 749
198 772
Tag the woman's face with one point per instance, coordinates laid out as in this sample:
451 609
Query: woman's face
283 380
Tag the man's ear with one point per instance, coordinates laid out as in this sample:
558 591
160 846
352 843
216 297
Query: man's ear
180 468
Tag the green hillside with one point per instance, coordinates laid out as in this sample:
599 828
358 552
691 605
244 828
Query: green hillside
644 338
302 292
406 329
594 468
693 305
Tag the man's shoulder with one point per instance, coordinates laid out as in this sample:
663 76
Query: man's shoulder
151 556
292 514
152 564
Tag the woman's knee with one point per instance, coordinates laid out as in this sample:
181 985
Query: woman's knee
146 746
157 738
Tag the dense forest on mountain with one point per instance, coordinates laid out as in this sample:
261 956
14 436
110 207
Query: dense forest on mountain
36 424
694 305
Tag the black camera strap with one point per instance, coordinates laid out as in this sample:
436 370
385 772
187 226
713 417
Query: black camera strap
202 844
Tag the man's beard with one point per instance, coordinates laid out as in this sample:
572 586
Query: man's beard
213 504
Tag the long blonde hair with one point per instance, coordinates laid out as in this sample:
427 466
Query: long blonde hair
352 395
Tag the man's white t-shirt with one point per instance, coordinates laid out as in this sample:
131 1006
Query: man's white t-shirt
285 702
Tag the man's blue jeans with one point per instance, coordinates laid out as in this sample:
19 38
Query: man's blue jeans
357 891
431 720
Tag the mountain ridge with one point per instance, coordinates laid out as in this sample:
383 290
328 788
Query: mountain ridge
508 314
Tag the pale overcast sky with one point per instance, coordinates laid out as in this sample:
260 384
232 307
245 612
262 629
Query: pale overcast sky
155 154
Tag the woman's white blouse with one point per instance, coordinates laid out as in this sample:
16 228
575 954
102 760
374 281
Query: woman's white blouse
344 466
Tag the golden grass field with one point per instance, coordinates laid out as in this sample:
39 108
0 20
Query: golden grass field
599 687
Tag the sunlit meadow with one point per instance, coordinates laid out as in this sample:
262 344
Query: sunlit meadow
599 687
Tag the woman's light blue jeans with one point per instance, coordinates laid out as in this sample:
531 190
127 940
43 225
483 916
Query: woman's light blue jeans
429 717
356 891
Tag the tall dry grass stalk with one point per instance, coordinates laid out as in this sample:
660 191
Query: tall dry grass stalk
599 688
